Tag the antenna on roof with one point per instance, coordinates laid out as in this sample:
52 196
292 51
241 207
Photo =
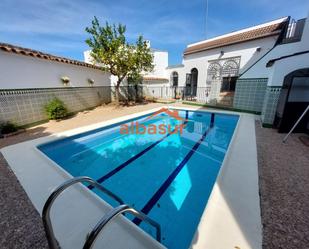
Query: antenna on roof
206 21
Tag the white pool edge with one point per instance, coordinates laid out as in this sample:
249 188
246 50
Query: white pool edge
217 232
232 217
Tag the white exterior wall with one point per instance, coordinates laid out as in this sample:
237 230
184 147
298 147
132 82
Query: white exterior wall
113 79
246 50
87 57
280 69
283 67
160 61
261 71
20 71
181 75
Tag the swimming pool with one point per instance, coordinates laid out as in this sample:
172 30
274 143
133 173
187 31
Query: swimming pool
167 176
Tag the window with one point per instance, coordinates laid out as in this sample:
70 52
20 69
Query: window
228 84
175 79
213 72
230 68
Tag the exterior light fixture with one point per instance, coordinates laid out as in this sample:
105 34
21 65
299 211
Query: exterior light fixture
90 82
65 80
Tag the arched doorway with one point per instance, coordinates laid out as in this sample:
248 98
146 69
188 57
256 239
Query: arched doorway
175 79
194 76
293 100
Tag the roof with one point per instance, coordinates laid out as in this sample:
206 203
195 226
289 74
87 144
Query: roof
37 54
256 32
155 78
157 50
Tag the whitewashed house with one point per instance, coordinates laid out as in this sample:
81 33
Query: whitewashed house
159 75
156 83
152 81
211 67
246 69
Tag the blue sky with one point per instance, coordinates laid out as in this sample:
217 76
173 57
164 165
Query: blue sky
58 27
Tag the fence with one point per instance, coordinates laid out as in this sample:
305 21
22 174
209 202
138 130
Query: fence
199 94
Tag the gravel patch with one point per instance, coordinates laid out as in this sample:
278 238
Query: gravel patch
20 223
284 189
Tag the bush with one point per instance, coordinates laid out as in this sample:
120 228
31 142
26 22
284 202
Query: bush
56 109
7 128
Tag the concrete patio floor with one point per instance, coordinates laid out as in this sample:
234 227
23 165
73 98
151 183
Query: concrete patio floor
284 185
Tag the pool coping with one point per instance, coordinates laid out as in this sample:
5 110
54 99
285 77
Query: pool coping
215 210
233 220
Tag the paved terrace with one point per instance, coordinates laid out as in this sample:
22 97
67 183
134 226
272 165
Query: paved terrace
284 179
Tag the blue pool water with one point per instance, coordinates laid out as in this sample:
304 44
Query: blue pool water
167 176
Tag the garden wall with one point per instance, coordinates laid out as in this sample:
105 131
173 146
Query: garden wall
26 106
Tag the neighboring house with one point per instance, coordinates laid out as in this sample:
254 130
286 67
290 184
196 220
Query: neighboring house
30 78
152 81
159 75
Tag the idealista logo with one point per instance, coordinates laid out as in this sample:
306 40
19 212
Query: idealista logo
136 128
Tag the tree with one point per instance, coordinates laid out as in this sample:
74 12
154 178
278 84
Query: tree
135 78
109 47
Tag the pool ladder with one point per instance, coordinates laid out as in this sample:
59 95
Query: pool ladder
107 218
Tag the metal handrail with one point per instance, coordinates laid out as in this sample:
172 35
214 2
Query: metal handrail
115 213
52 241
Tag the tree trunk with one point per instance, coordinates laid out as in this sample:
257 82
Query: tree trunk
117 94
117 89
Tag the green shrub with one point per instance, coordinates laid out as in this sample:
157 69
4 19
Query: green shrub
8 127
56 109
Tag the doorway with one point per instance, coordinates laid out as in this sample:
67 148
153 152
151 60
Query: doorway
294 99
191 83
194 76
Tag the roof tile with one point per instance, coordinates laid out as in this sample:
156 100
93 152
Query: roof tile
270 30
34 53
